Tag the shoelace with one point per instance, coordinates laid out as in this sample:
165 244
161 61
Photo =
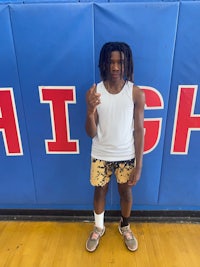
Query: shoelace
95 235
128 235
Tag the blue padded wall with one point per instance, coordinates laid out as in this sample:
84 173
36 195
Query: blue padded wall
49 58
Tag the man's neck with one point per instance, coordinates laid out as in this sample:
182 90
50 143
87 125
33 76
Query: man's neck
114 87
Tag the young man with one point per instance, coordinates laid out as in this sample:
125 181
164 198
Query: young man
115 116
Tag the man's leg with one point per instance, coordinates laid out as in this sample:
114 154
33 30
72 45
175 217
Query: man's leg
100 198
126 201
99 205
100 177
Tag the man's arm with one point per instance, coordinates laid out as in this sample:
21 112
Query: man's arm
92 100
139 102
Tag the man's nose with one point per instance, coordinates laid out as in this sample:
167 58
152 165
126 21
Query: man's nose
116 66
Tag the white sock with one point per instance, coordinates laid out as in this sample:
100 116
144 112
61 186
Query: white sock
99 220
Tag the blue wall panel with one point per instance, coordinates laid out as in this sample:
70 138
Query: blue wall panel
16 180
49 53
180 180
113 23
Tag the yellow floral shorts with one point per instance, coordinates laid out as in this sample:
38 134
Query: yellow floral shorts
101 171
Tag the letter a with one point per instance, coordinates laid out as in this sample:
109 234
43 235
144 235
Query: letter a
9 123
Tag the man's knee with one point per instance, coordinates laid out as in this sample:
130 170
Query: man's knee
125 192
101 191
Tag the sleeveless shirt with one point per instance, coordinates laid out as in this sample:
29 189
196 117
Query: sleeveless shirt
114 139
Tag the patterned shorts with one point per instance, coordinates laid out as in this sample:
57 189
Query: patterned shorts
101 171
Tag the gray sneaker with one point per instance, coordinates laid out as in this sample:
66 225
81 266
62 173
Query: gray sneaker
94 238
129 238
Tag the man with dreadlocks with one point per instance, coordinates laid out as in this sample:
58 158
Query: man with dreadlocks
115 116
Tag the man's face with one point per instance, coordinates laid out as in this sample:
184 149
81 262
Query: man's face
116 66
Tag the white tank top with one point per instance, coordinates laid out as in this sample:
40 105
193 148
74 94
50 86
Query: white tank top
114 140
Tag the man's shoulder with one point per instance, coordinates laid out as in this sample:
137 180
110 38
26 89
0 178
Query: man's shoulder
100 83
138 94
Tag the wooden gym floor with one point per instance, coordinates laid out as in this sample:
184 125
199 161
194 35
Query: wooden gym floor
62 244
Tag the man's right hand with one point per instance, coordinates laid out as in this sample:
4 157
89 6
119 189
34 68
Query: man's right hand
92 99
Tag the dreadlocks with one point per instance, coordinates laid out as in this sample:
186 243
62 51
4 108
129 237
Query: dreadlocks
105 55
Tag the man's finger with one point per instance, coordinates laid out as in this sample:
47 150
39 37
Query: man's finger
93 88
